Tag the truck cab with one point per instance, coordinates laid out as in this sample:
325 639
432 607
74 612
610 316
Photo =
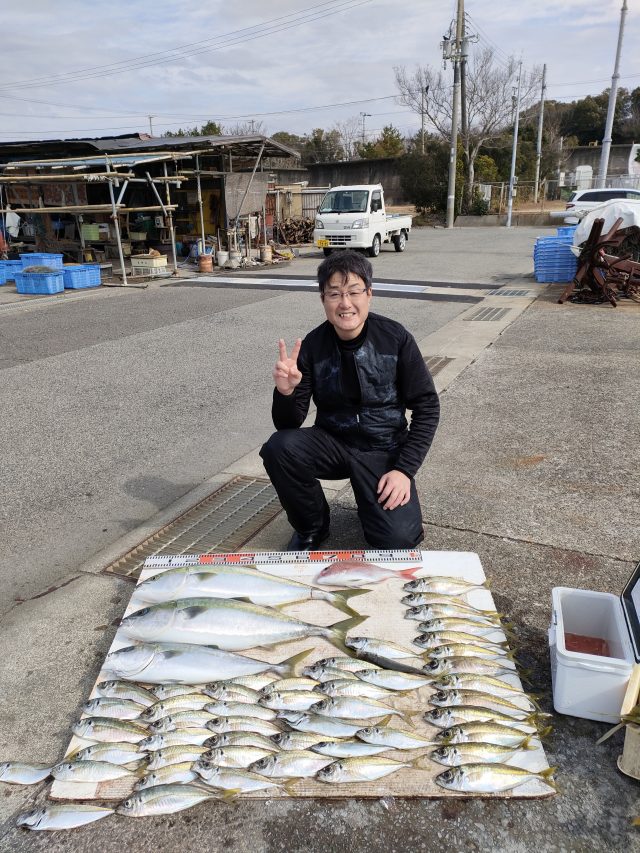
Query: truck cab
354 217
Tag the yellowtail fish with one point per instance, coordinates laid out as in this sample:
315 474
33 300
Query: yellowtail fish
107 730
365 769
442 585
228 624
23 773
91 771
488 732
166 707
490 778
358 573
188 663
454 755
164 799
168 775
446 717
61 816
237 582
392 738
291 764
181 720
290 700
391 651
126 690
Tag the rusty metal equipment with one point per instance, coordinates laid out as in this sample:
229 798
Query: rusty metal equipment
608 266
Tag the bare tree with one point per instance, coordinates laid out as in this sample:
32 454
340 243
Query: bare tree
490 107
246 128
349 131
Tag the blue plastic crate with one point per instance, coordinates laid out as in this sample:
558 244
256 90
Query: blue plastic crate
10 268
41 259
39 283
95 273
79 276
3 276
565 230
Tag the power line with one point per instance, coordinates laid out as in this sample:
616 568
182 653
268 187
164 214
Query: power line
220 42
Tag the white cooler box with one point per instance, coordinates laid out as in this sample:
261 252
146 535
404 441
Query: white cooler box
586 685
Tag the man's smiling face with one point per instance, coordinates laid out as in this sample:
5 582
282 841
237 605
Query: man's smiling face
346 313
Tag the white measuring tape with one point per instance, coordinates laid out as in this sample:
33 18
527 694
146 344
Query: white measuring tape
270 557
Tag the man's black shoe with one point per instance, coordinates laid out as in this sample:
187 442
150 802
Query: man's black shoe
310 542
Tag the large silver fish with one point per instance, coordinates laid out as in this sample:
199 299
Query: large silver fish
228 624
188 663
243 582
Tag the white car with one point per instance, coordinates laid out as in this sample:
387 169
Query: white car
582 201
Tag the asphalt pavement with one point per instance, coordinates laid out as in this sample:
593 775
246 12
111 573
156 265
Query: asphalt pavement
120 405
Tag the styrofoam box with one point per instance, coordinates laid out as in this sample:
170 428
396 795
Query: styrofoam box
584 685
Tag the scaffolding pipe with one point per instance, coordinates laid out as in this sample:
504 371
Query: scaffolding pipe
200 202
116 222
172 233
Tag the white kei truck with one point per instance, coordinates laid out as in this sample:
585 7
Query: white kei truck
354 217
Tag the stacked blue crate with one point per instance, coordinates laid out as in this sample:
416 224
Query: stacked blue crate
553 259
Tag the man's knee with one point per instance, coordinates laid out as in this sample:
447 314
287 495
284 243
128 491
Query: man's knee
280 443
398 532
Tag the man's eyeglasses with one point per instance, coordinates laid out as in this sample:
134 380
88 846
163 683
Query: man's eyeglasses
352 293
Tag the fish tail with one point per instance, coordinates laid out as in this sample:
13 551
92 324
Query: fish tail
547 776
228 796
545 732
526 743
340 599
140 772
410 573
290 787
422 762
385 720
288 666
524 674
337 632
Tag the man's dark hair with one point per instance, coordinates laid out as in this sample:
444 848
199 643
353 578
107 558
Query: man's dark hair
345 262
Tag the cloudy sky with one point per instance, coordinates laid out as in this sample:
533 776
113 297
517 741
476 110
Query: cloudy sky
74 68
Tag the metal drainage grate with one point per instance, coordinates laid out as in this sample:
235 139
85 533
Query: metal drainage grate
435 363
488 314
500 292
223 521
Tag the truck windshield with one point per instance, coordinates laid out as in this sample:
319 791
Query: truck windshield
345 201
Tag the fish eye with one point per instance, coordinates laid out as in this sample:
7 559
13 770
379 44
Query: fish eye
262 762
448 776
128 804
142 612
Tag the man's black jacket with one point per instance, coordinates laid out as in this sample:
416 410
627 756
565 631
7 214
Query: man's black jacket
393 377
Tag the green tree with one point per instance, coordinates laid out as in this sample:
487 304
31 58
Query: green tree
291 139
209 128
424 177
322 146
390 143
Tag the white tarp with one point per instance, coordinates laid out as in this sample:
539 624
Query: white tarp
609 211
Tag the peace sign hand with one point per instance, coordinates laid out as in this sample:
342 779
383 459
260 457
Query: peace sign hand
286 374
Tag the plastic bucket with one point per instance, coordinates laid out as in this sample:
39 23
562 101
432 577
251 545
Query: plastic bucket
266 255
205 263
222 258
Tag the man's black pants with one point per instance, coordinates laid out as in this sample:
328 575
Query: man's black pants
296 459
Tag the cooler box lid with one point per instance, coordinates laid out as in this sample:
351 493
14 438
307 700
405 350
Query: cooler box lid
630 599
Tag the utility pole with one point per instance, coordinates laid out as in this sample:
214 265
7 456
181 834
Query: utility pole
512 176
424 90
151 125
606 142
539 142
453 152
364 116
252 124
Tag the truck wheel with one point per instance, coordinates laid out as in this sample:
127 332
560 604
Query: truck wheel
374 250
327 252
400 242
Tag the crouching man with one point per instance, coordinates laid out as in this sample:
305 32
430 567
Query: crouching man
363 371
